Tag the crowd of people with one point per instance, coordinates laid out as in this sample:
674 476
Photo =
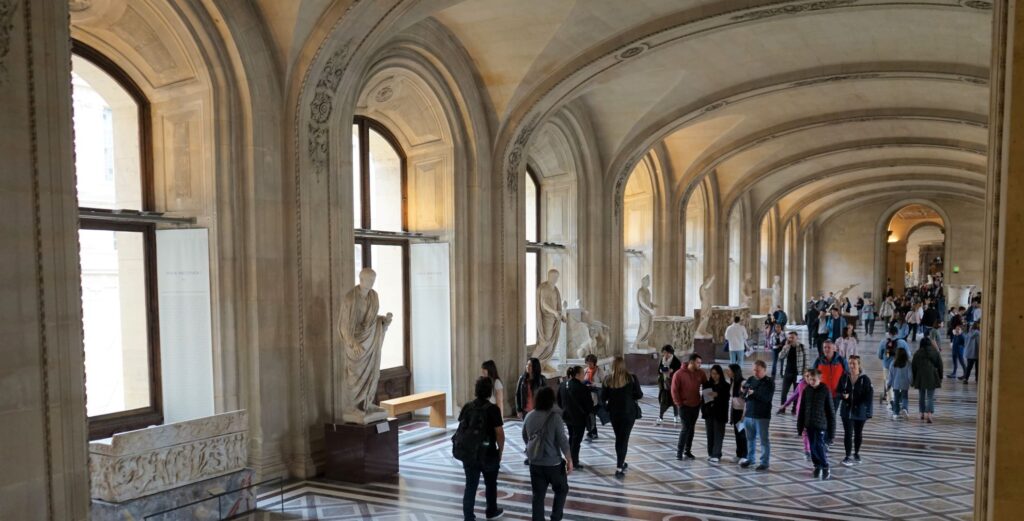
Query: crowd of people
823 385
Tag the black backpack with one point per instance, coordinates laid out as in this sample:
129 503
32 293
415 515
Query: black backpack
471 440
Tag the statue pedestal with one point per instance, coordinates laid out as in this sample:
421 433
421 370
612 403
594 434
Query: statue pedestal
643 366
705 347
674 331
361 453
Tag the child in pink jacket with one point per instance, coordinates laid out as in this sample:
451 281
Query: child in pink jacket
795 397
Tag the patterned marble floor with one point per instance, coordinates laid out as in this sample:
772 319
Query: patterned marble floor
910 470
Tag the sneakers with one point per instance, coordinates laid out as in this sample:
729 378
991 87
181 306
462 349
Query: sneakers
895 417
826 474
761 467
657 421
689 455
856 458
905 414
497 514
848 461
679 456
817 472
744 463
619 473
714 461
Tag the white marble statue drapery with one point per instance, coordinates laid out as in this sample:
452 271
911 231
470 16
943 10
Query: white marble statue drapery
776 293
550 314
747 291
705 308
646 305
362 331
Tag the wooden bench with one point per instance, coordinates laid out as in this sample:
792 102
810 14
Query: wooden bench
436 400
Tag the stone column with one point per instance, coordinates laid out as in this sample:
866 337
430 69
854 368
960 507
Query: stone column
43 439
1000 476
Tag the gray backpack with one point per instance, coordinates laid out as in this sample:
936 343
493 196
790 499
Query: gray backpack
535 443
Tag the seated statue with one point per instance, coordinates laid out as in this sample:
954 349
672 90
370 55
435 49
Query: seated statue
585 335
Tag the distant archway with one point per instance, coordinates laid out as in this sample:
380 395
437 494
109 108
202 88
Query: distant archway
895 227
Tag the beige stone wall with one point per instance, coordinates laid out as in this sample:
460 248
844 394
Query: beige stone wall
846 245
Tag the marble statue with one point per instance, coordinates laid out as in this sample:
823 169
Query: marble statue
776 292
362 331
550 314
646 305
705 308
747 291
842 293
585 335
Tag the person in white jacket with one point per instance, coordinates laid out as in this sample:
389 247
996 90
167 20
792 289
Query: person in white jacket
736 335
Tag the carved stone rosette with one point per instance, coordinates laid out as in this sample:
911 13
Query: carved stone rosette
139 463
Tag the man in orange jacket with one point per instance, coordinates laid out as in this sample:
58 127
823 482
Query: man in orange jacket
686 384
832 366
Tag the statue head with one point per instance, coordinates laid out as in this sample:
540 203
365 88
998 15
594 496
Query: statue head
366 278
553 276
646 281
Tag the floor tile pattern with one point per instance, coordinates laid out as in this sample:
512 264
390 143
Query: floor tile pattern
911 470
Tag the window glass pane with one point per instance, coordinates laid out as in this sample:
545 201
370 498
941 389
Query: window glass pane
385 185
531 297
357 187
114 321
531 209
386 260
358 261
106 123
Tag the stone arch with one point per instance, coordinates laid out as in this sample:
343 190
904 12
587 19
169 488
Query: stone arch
880 237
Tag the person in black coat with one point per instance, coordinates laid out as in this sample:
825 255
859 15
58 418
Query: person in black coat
737 404
716 398
856 407
577 406
620 394
531 381
817 417
667 366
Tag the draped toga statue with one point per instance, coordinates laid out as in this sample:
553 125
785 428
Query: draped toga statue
776 293
705 308
550 315
747 291
362 331
646 305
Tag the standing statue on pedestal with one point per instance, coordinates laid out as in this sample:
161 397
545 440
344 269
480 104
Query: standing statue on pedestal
776 292
646 305
362 331
747 291
705 308
550 315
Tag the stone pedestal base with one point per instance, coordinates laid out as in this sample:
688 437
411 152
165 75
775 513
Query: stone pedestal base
645 367
361 453
237 500
705 347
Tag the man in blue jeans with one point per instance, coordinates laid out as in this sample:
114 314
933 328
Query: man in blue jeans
736 336
758 390
483 410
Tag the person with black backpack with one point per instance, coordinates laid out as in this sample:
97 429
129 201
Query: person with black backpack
478 443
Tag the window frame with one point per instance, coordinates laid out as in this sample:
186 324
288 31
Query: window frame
106 425
364 125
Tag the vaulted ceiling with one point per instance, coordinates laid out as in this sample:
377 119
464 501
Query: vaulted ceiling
796 103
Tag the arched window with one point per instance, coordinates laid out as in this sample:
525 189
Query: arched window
533 261
735 277
379 206
694 249
117 244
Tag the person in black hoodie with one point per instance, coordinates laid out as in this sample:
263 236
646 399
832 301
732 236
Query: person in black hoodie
576 404
857 406
736 405
817 417
716 397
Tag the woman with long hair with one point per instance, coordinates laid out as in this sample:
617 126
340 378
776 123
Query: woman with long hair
855 409
529 383
846 344
490 370
899 378
737 403
716 398
620 394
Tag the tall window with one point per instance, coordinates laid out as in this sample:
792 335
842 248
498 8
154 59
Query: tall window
118 260
533 274
694 249
379 206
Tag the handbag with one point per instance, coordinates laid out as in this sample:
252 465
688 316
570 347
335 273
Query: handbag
636 403
535 445
738 403
602 414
